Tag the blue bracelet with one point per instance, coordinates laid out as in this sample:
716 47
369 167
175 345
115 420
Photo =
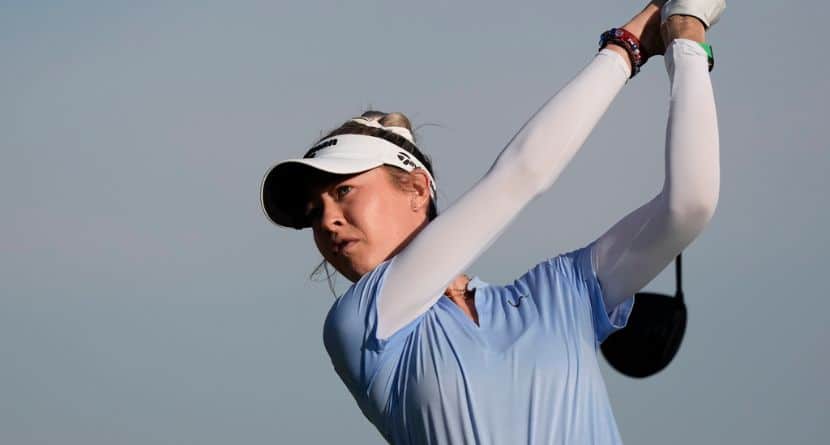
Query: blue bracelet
628 41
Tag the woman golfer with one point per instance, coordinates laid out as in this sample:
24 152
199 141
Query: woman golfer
434 357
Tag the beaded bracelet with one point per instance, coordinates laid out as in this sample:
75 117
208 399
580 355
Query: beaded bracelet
626 40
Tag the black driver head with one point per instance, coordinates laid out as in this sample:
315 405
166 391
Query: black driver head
651 338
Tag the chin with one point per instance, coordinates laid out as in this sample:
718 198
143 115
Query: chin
361 264
349 269
357 269
352 274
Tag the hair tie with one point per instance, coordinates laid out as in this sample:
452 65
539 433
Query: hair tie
400 131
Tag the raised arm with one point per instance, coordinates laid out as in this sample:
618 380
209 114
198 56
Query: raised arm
644 242
527 166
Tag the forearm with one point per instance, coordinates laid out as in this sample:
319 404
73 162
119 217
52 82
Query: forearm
549 140
529 164
692 147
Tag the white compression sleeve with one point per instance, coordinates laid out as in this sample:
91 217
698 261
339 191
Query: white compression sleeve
527 166
644 242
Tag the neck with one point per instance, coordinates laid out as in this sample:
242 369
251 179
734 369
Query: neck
458 287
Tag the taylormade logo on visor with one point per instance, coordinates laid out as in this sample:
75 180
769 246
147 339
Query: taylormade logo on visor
316 148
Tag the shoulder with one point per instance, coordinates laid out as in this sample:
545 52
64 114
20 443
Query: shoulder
569 280
349 331
353 315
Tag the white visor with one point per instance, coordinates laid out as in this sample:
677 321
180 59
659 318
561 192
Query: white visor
282 194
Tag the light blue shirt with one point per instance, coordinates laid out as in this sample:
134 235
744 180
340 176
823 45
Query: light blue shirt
527 374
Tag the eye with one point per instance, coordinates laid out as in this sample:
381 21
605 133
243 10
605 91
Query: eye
342 190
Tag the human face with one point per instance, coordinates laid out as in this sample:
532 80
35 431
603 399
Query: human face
361 220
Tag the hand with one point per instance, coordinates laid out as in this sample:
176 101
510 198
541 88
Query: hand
689 19
646 27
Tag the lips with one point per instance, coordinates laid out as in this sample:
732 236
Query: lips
340 246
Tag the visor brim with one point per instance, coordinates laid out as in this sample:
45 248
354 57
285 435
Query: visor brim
283 191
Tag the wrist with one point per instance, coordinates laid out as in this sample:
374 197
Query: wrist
622 53
684 27
627 41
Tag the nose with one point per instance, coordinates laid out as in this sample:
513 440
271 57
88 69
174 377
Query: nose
331 218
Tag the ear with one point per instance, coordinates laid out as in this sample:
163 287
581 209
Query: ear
420 189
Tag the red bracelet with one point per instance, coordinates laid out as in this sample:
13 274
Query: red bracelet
626 40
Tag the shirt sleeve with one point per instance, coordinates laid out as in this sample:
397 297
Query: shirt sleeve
605 320
350 333
568 294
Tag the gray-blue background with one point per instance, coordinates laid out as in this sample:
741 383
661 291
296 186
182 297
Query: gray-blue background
145 299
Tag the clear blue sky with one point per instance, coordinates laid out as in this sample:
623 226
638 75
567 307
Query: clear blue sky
145 299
